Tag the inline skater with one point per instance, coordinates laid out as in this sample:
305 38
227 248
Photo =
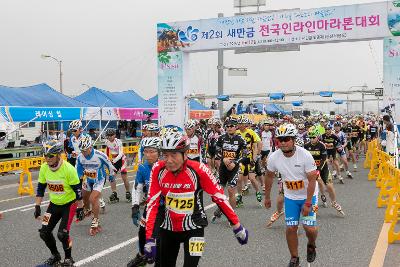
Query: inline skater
341 148
115 152
73 145
64 187
299 175
196 142
151 147
319 153
331 143
230 147
181 183
247 165
91 167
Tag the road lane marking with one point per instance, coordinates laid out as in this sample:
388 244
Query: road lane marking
22 207
31 208
117 247
35 182
378 258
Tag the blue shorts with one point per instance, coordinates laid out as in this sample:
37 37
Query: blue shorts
293 212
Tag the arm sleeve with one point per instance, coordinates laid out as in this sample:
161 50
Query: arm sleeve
210 185
309 163
137 188
77 190
153 200
120 151
271 166
41 187
79 167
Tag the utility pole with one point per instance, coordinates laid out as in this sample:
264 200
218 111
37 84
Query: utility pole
220 68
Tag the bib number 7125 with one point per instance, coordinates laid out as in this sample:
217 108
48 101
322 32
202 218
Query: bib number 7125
182 203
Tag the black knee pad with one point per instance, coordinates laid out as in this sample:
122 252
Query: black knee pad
63 236
44 234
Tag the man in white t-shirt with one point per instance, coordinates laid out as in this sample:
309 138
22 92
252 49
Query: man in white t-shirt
299 174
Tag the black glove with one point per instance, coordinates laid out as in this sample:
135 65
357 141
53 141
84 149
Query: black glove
80 215
135 215
37 211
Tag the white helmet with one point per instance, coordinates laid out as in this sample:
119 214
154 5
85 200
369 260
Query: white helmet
174 141
299 142
190 124
301 126
75 125
286 130
153 142
85 142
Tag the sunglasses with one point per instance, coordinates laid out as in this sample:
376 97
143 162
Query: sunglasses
230 126
49 156
74 131
284 139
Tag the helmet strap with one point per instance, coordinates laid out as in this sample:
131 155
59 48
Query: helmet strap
57 165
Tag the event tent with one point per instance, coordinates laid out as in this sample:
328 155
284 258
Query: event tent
125 99
39 103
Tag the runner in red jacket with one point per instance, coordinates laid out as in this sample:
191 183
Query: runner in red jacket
180 182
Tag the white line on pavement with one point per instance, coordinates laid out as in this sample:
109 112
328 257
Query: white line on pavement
117 247
31 208
22 207
14 198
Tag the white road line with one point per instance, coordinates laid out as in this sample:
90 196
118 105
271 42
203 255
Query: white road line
14 198
22 207
31 208
117 247
22 197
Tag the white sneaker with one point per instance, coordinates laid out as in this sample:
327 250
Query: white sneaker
102 203
334 173
355 166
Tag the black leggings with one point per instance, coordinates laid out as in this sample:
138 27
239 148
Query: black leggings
170 244
55 213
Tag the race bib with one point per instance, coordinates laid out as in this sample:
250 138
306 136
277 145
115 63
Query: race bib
194 151
317 162
229 154
181 203
91 174
196 246
56 187
294 185
46 218
329 146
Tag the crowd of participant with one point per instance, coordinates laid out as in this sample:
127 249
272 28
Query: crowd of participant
305 155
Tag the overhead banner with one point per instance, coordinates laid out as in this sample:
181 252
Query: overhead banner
172 106
204 114
18 114
128 113
319 25
391 76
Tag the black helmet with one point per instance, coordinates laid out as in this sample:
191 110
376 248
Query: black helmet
110 132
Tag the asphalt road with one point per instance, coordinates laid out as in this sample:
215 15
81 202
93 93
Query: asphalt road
348 241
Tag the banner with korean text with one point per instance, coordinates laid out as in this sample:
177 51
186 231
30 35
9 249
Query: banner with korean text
320 25
391 76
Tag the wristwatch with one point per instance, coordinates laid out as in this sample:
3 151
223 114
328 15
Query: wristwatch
307 204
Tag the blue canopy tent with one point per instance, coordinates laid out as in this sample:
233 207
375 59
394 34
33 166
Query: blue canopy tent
102 98
271 109
120 100
193 104
38 102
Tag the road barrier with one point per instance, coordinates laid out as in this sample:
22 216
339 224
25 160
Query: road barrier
387 178
26 164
